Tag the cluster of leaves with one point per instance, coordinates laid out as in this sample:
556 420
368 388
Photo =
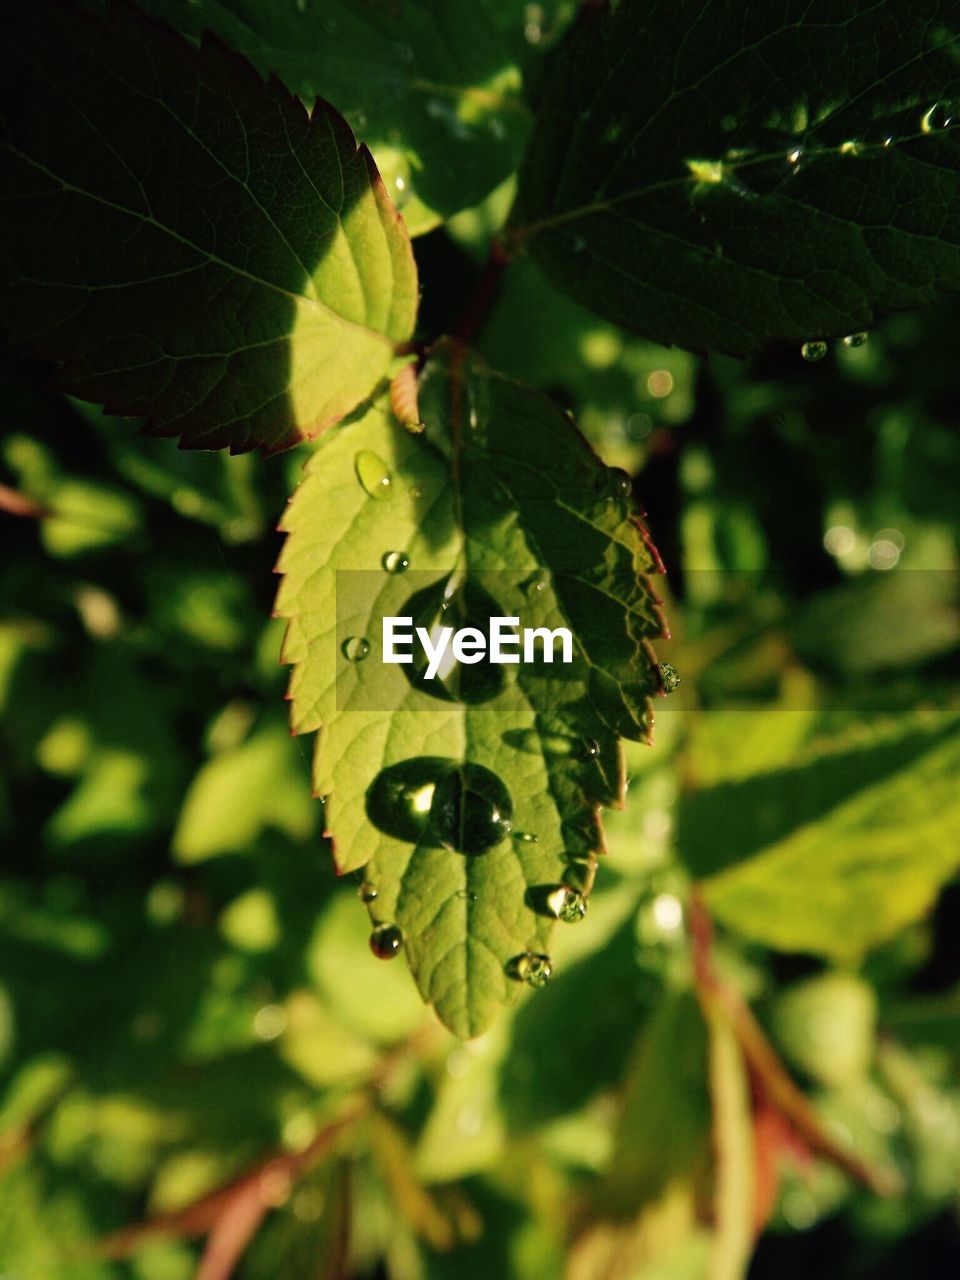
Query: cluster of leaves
192 1029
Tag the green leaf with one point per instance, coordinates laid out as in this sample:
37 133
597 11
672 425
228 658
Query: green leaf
184 242
496 506
783 174
839 852
433 87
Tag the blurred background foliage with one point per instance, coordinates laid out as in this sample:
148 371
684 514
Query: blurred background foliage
193 1032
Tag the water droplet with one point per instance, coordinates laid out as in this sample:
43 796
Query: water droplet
526 837
589 749
416 493
935 118
850 148
465 895
794 156
669 677
373 473
399 183
367 893
614 485
385 941
814 350
530 967
355 648
448 604
558 901
396 562
533 585
471 810
856 339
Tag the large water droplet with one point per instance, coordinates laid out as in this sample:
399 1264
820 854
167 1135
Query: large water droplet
373 473
669 677
396 562
558 901
471 810
814 350
385 941
355 648
856 339
400 797
530 967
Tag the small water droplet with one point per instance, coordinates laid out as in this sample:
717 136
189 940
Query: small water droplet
355 648
526 837
855 339
669 676
558 901
814 350
465 895
850 148
399 183
385 941
935 118
614 485
367 892
589 749
373 473
416 493
396 562
794 156
531 967
533 585
471 810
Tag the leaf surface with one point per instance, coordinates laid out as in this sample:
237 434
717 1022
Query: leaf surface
433 87
498 497
838 853
723 176
183 241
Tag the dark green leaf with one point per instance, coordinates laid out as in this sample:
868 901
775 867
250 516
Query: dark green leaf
723 176
184 241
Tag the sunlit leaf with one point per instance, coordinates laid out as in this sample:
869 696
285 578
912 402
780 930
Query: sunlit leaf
183 241
499 509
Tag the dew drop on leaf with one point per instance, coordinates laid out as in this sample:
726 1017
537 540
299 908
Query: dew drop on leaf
614 485
669 677
355 648
558 901
794 156
531 967
367 893
934 118
471 810
396 562
855 339
526 837
465 895
814 350
589 749
385 941
373 473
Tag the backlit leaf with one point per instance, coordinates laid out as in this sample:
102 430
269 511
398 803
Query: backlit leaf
183 241
497 508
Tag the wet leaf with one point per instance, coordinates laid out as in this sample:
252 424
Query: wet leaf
146 251
711 192
459 799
